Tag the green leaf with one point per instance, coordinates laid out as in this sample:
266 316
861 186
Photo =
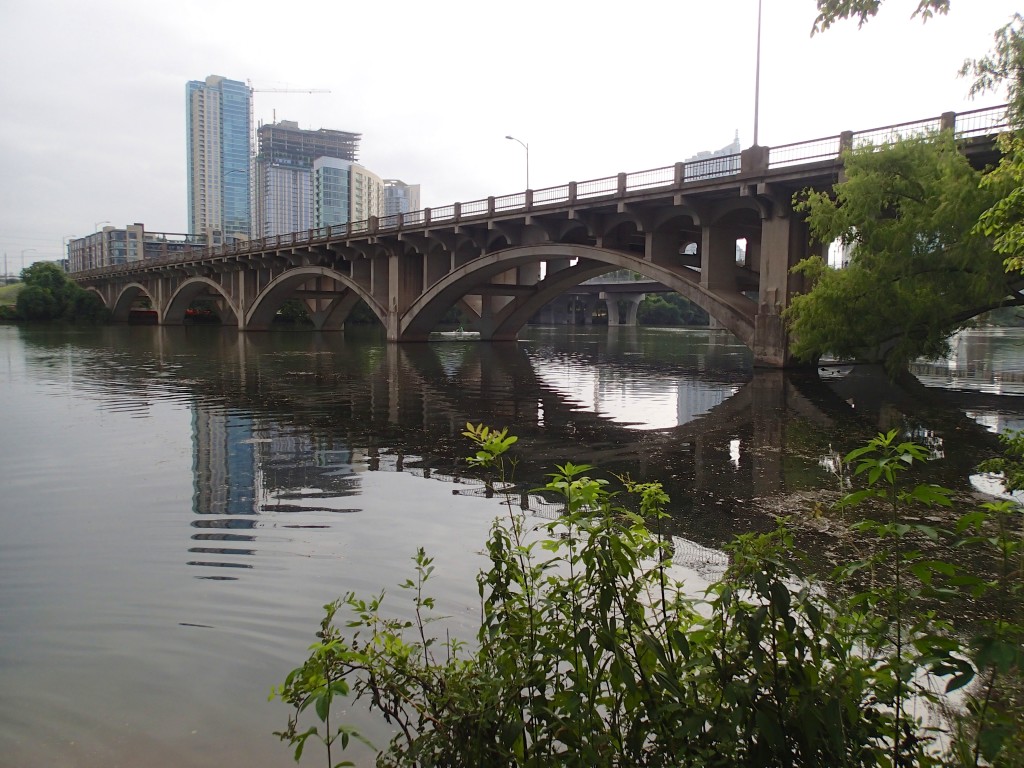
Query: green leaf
323 706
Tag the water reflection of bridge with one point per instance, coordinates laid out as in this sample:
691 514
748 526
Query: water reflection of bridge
286 427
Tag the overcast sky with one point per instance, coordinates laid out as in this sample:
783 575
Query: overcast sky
92 122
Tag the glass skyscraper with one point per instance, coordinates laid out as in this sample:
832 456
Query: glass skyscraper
219 143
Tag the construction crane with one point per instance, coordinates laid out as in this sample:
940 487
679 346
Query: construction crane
284 90
253 89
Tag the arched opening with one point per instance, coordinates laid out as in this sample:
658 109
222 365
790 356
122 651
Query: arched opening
134 305
584 262
200 301
316 297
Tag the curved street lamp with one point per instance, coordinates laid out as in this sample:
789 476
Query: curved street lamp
96 226
527 148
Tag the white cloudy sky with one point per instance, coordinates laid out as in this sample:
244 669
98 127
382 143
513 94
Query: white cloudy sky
92 95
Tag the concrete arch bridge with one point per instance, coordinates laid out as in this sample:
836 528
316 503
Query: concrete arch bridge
502 259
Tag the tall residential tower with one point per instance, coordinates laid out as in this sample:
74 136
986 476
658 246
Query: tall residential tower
219 149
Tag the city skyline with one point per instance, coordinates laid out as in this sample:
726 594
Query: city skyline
95 133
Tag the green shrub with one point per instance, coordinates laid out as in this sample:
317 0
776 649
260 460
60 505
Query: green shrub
591 653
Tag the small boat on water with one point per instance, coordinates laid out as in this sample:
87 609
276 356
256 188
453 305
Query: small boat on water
459 335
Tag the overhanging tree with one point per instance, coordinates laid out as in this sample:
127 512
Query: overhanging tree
919 267
919 261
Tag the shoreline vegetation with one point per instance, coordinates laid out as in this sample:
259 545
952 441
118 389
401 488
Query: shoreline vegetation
46 294
591 652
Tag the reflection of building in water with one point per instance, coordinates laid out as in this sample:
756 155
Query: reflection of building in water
997 422
245 470
640 400
695 398
239 463
224 462
980 360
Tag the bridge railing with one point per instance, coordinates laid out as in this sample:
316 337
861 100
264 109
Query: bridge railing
982 122
890 134
801 152
712 167
966 125
552 195
514 202
597 187
656 177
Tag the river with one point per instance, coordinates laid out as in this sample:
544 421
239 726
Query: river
178 503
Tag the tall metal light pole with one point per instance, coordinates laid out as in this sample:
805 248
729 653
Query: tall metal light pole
96 226
27 250
527 148
757 72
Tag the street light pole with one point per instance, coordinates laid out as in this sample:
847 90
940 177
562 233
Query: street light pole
27 250
96 226
757 72
525 146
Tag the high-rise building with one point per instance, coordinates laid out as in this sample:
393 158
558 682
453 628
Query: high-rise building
115 245
284 199
219 151
400 197
284 173
344 191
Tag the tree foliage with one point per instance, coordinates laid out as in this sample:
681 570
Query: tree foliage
919 268
1004 221
670 309
831 11
49 294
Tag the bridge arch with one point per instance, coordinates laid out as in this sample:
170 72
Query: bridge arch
122 305
174 312
261 314
734 311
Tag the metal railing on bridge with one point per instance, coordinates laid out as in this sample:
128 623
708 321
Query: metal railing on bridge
966 125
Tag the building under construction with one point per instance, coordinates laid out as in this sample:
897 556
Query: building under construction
287 144
284 167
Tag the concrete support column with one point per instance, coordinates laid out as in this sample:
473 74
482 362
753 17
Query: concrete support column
486 317
246 291
588 309
661 248
613 308
437 264
718 258
783 243
405 284
634 299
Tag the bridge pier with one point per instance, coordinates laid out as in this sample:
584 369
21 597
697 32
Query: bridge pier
633 299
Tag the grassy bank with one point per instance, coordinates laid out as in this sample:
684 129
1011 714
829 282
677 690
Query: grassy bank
9 293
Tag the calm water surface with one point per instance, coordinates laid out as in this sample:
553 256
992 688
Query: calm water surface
176 505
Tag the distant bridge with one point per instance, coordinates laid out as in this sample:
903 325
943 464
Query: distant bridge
503 258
